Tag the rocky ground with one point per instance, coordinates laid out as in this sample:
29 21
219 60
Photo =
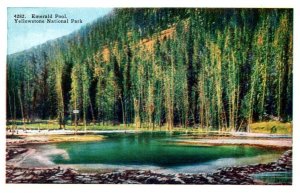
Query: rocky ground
229 175
12 151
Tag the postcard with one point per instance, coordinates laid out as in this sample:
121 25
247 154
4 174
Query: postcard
149 95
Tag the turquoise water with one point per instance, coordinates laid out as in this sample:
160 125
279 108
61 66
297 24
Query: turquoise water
157 149
275 177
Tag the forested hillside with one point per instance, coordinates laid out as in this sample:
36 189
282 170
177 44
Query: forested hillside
203 68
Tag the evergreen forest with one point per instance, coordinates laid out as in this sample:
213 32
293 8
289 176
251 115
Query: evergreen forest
214 69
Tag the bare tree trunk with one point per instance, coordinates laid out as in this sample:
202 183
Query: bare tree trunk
137 119
22 109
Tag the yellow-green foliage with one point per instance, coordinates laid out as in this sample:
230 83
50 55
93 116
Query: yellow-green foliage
64 138
274 127
55 138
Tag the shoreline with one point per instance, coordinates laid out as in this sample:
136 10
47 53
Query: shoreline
247 139
27 132
235 175
224 175
269 143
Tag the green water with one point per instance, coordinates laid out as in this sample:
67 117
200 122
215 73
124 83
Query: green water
156 149
275 177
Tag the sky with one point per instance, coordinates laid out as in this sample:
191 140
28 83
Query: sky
23 36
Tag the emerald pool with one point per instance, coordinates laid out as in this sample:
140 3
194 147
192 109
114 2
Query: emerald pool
155 150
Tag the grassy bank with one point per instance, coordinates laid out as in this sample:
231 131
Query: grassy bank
53 125
267 127
271 127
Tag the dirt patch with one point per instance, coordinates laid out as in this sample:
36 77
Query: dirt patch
275 143
55 138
